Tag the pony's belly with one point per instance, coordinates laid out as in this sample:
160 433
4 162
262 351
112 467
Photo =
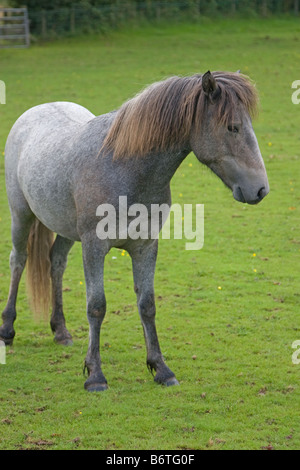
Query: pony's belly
51 203
57 219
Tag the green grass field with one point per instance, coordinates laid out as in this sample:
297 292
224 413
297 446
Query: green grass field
227 315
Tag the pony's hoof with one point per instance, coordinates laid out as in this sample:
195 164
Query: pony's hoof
7 340
168 382
96 383
96 387
171 381
64 341
63 338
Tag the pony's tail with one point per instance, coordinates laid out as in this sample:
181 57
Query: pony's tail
39 245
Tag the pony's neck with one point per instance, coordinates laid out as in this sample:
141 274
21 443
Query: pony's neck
154 170
173 160
158 169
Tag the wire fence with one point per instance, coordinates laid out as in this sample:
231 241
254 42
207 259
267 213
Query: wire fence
71 21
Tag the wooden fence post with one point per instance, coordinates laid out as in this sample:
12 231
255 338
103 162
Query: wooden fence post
44 24
72 20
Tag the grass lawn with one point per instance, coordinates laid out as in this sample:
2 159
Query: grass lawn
227 315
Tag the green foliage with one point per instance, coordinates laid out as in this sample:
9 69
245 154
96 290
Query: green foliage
38 5
229 347
271 5
61 17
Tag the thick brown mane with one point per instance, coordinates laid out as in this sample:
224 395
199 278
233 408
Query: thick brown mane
161 116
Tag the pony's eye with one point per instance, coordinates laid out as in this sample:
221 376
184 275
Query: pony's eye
233 129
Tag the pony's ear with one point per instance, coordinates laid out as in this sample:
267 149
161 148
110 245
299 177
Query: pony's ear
210 86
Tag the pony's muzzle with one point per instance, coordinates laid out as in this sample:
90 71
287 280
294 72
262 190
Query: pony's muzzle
250 198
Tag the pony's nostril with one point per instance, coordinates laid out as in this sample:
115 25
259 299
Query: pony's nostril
261 193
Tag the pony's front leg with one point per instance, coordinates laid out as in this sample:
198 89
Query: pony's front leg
143 264
94 253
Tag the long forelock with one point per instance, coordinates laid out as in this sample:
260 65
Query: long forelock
235 88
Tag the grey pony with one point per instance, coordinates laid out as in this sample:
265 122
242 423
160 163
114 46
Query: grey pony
56 177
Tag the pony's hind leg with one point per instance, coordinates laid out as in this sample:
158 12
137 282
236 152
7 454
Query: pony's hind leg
58 256
143 263
20 232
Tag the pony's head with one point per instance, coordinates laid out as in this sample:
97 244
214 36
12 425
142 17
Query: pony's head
224 139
